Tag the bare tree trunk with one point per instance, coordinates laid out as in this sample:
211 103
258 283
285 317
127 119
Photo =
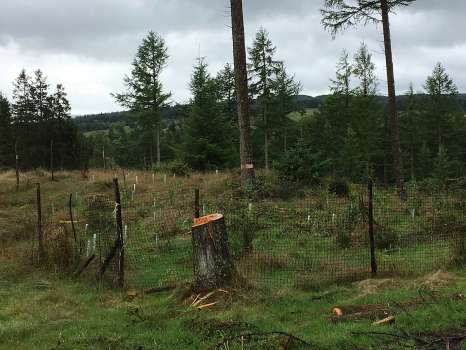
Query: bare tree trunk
392 112
241 82
157 139
266 142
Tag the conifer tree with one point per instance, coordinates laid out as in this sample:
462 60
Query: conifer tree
341 85
39 96
22 107
262 68
226 86
207 142
6 136
364 70
338 15
442 105
285 89
145 93
411 130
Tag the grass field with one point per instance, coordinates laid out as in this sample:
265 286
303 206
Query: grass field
43 308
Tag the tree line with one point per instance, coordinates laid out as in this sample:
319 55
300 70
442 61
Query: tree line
353 134
36 127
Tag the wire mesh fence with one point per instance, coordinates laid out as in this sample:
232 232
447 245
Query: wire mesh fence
316 239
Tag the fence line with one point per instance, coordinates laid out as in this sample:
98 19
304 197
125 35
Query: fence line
316 239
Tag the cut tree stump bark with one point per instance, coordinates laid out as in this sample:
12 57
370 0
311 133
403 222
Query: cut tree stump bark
211 257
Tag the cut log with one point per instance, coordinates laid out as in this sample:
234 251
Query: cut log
212 264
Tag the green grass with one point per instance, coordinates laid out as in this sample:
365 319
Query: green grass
43 311
297 273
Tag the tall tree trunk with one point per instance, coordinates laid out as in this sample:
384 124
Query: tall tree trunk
266 138
157 142
241 82
392 112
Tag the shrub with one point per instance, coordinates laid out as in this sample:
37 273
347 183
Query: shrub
242 231
301 164
177 167
340 188
385 238
267 186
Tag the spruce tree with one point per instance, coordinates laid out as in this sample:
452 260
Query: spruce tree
285 89
262 69
341 85
338 15
207 142
39 97
442 106
226 86
6 136
364 70
144 90
22 107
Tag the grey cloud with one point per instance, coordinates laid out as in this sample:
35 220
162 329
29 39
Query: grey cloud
103 32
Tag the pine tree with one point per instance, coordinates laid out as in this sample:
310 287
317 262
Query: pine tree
364 70
338 15
285 89
42 125
207 142
262 68
22 107
60 105
39 97
145 93
442 105
342 84
6 136
226 86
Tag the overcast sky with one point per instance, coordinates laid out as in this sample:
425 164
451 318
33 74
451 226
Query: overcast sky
88 45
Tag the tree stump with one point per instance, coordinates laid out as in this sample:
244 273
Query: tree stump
211 258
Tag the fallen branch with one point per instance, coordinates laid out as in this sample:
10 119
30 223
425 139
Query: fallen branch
86 264
108 259
389 319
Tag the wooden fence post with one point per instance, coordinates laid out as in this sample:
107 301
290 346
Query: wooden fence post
17 165
197 206
40 235
370 188
119 225
72 221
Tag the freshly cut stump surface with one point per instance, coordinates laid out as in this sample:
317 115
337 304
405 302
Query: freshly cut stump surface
212 264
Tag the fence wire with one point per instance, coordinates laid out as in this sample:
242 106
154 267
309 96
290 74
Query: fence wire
320 238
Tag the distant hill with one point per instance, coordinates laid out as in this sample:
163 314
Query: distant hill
104 121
